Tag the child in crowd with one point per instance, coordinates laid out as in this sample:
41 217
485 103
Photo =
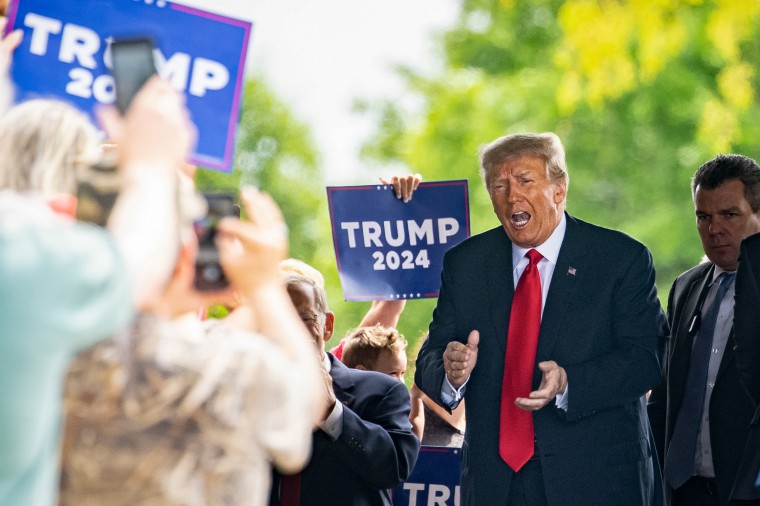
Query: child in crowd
376 348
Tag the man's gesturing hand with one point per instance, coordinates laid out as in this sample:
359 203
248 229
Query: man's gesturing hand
553 383
459 359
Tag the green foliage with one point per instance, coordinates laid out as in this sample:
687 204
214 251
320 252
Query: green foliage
276 153
641 93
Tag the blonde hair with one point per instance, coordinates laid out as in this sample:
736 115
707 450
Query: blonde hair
43 145
364 345
299 267
546 146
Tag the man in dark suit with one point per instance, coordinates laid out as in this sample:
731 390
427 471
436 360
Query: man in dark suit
549 327
701 413
364 445
747 334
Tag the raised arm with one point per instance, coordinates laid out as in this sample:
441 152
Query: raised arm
153 140
8 43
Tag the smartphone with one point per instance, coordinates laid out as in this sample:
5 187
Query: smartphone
132 65
209 275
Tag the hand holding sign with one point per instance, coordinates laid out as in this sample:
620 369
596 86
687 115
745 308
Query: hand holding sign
66 53
389 250
404 186
8 43
141 136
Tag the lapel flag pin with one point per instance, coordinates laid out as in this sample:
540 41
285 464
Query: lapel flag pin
571 271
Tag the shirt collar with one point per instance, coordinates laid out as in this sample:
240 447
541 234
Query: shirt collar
549 249
326 362
717 271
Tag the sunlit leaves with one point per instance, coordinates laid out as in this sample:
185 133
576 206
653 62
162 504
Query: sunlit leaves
641 92
718 126
730 24
735 85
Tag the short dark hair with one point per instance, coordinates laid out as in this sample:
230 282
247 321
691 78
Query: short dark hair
724 168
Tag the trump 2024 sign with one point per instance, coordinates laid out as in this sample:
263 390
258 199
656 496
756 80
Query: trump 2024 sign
389 250
66 54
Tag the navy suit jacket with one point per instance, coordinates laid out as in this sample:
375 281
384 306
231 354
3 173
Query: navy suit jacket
376 450
730 408
747 333
601 322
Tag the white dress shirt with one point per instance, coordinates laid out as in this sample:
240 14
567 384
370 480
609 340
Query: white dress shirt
550 251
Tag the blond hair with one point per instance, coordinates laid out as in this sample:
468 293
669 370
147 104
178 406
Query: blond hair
295 266
43 146
546 146
365 345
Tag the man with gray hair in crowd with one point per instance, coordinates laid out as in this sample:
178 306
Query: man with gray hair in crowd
363 445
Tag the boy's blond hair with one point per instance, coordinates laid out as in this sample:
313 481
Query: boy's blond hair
364 345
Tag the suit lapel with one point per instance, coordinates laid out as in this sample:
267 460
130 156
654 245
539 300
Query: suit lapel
501 286
682 346
343 386
728 355
568 272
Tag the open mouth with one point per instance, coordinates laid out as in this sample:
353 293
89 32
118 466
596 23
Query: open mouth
520 219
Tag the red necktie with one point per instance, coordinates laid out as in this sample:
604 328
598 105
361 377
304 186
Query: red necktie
290 490
516 425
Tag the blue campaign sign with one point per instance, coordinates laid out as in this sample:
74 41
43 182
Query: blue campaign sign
66 54
388 250
434 479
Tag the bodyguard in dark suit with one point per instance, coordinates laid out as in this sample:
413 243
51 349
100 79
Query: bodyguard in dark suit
701 414
364 445
747 334
549 326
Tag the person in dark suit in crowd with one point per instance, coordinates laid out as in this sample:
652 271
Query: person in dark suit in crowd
549 327
701 413
364 446
747 335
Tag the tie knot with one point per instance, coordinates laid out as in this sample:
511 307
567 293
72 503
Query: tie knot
726 279
534 256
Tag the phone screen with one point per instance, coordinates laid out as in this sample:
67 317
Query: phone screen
133 64
208 272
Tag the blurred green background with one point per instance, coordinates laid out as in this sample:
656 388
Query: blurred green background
641 92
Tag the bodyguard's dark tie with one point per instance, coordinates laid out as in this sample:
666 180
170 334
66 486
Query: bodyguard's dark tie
679 458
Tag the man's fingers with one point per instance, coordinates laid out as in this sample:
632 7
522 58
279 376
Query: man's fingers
473 340
12 41
547 365
544 393
111 121
530 404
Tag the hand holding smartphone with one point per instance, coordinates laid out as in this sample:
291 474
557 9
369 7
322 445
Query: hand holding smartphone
209 275
133 64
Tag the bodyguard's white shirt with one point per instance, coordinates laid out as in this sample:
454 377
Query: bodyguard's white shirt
550 251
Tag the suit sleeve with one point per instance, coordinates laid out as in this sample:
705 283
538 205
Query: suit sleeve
429 374
747 318
658 399
380 448
631 366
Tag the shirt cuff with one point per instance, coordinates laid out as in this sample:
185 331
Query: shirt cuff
333 424
561 399
450 395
